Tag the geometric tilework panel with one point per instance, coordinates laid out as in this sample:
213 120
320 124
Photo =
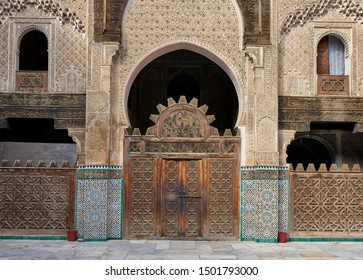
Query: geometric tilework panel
114 208
327 202
36 200
283 205
248 207
264 203
80 202
94 208
99 204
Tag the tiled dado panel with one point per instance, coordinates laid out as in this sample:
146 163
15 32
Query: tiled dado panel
99 202
264 203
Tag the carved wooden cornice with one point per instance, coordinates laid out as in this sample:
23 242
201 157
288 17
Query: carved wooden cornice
296 113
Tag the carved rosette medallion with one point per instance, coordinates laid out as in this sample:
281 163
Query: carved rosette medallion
182 124
183 120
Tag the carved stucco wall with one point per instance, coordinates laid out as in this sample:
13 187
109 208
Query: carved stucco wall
108 19
64 22
287 7
300 27
152 28
71 60
3 54
151 25
213 28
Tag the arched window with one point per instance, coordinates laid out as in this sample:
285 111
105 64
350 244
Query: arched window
331 58
32 64
331 67
33 54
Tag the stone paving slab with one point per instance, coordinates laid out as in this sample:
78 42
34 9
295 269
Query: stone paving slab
181 257
177 250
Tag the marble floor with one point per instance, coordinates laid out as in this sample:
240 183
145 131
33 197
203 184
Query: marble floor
177 250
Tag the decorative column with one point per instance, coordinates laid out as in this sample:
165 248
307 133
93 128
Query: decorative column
78 136
285 138
99 185
264 183
98 118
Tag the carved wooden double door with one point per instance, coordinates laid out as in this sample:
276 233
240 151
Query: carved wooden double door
182 177
181 198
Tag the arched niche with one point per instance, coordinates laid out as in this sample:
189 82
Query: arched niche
33 51
310 149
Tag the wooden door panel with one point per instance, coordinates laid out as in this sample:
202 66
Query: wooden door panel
222 198
322 63
192 217
141 198
181 198
170 206
193 198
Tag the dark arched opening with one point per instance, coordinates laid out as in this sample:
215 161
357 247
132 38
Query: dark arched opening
183 83
36 139
33 54
308 150
187 73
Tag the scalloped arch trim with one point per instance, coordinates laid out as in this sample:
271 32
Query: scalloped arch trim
64 15
28 29
340 36
300 17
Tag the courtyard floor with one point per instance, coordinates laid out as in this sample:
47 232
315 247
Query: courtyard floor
177 250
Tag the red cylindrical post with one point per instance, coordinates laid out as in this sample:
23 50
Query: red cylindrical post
282 237
72 235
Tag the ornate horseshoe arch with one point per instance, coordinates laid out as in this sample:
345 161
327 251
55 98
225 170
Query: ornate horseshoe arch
181 177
